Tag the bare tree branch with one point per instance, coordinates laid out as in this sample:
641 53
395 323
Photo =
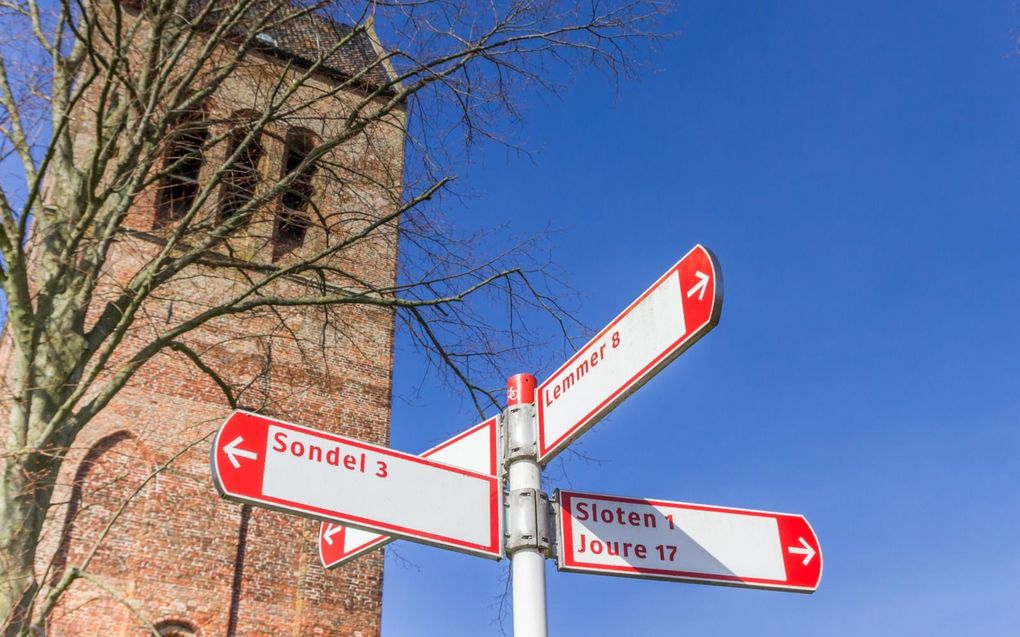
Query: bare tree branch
149 222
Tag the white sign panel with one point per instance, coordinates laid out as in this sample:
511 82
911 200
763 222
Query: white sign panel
672 314
278 465
659 539
475 450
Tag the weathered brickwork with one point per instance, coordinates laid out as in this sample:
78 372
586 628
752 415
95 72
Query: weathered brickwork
177 554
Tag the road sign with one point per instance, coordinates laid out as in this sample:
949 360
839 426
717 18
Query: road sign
677 310
474 450
278 465
656 539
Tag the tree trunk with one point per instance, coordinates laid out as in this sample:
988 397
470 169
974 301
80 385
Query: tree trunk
28 470
26 486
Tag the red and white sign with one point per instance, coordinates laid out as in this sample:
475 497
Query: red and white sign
474 450
656 539
677 310
278 465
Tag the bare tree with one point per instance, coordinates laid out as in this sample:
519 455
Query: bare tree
111 107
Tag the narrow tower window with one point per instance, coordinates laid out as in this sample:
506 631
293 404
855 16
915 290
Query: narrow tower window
181 164
240 179
292 221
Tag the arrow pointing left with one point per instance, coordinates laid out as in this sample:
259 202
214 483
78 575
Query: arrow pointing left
474 450
330 530
324 476
233 451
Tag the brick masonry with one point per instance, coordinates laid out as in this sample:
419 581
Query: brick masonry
178 555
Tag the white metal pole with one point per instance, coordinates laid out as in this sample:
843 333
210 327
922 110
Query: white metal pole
528 566
527 563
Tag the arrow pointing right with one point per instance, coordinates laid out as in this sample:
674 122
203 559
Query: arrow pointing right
699 287
807 551
233 451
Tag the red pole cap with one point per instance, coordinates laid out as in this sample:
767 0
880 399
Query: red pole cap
520 389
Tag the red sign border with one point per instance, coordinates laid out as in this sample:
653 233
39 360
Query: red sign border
546 452
493 551
371 545
562 532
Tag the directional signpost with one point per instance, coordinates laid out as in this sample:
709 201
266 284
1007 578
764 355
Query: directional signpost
677 310
277 465
475 450
656 539
452 495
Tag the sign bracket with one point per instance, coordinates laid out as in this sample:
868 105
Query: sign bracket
520 439
527 520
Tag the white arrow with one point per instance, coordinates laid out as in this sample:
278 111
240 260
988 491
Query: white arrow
807 551
233 451
700 286
331 530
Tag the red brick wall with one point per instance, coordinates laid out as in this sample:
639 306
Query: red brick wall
178 555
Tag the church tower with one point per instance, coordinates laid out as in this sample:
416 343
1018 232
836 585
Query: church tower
176 555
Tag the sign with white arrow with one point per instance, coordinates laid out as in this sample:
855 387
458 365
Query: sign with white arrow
657 539
677 310
474 450
316 474
233 452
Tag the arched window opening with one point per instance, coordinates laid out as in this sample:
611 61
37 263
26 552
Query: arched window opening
175 628
92 495
241 177
181 165
292 221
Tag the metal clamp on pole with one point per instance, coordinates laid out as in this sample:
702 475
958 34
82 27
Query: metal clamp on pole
528 520
521 441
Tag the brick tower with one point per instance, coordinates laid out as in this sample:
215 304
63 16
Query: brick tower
178 555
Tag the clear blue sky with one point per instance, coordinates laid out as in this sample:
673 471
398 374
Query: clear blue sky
856 168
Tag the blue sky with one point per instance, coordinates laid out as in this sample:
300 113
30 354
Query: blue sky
854 166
